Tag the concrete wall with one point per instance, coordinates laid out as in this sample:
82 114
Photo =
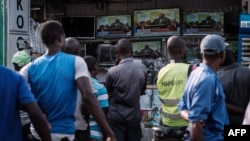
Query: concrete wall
75 9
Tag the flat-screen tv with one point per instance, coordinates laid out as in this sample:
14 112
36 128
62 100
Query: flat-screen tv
156 22
113 26
106 55
147 49
79 27
203 23
244 24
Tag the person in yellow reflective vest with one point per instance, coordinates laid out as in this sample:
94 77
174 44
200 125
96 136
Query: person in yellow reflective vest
171 82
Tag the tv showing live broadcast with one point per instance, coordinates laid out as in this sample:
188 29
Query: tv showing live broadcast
148 49
115 26
156 22
204 23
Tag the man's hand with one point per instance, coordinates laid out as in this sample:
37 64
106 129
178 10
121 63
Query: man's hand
196 131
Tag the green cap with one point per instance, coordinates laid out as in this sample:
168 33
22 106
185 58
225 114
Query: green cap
21 58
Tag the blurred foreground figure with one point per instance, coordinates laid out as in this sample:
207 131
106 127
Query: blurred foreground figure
15 95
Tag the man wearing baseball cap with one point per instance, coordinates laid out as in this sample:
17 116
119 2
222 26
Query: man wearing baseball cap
19 60
203 101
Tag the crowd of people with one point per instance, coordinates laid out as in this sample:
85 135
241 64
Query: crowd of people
56 97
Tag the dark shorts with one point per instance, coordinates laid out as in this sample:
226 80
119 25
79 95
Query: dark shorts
82 135
26 132
126 133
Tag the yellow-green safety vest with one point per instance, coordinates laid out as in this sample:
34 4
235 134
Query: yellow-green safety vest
171 82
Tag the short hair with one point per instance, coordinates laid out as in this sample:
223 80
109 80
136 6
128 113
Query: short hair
91 62
124 46
51 31
175 44
72 46
229 58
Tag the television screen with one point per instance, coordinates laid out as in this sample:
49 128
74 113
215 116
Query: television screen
244 24
203 23
79 27
115 26
147 49
156 22
106 55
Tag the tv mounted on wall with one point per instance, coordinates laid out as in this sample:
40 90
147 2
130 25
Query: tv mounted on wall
113 26
79 27
147 49
106 55
156 22
203 23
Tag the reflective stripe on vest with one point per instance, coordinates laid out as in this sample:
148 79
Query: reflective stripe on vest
171 83
170 101
171 116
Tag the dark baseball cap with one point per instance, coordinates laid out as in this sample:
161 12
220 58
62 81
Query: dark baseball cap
212 44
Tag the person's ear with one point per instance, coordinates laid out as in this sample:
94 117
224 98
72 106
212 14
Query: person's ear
94 68
59 38
222 55
182 52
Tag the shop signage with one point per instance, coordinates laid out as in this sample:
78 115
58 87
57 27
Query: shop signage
19 15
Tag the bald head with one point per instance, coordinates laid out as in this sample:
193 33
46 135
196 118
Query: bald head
117 20
176 46
161 15
72 46
124 48
70 41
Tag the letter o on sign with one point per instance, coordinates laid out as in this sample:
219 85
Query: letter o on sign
19 21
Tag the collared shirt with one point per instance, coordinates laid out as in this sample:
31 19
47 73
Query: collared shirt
125 83
205 100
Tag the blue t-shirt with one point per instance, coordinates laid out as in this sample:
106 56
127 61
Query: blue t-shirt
204 98
52 80
102 97
14 92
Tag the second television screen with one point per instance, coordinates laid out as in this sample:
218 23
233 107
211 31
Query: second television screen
203 23
114 26
156 22
146 49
